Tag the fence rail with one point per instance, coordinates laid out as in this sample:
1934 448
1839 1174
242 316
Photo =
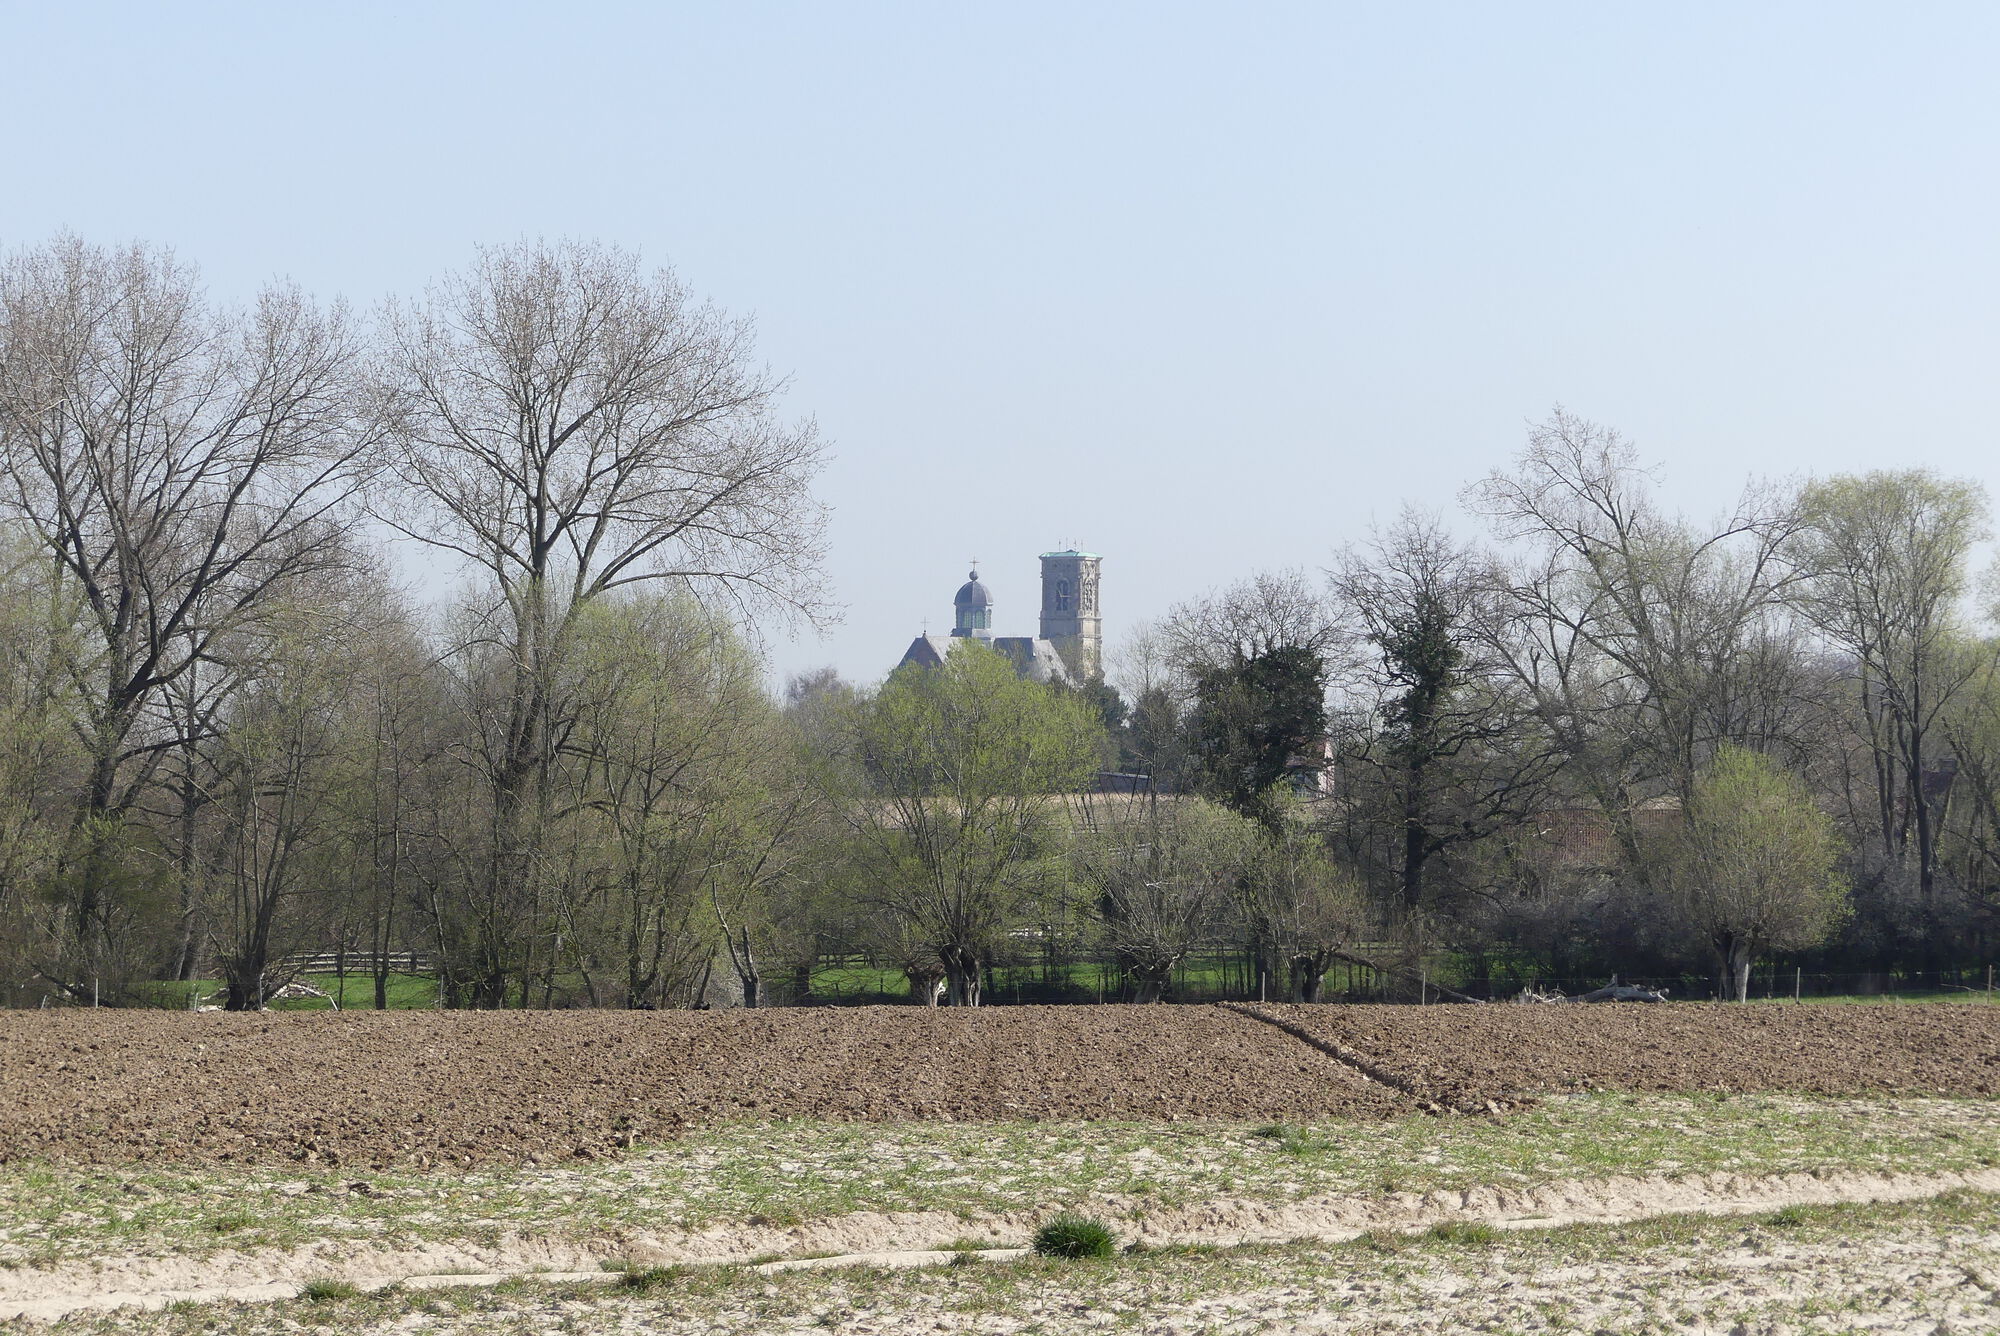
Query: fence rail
361 962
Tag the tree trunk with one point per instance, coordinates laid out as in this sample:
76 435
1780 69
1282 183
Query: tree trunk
925 987
1416 840
1737 956
961 973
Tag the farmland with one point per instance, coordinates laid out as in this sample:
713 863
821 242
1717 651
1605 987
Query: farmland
660 1171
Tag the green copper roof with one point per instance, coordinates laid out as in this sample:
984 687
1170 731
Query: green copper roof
1072 552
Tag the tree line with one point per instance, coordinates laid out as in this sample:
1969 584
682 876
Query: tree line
1601 738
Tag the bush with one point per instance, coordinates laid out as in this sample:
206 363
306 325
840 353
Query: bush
1075 1236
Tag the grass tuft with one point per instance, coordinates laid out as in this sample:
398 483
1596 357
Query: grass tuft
1464 1231
328 1291
1292 1140
1075 1237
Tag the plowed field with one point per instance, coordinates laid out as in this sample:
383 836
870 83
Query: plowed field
429 1088
1465 1055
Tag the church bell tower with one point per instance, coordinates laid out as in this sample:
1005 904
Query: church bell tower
972 609
1070 619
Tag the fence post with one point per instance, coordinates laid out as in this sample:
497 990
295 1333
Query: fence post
1798 979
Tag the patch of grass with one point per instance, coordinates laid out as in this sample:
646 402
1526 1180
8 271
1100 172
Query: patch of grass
1464 1231
229 1224
1075 1237
1788 1217
644 1280
328 1291
1293 1140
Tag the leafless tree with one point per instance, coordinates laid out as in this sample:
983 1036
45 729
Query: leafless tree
1304 908
571 426
1270 610
1444 747
184 465
1163 871
1640 636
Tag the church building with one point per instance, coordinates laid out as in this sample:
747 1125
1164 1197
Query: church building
1070 648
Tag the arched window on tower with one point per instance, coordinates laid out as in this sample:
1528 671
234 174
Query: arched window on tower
1062 596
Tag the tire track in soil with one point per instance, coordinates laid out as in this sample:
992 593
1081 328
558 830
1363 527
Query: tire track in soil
1347 1057
908 1239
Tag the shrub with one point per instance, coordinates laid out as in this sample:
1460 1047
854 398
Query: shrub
1075 1236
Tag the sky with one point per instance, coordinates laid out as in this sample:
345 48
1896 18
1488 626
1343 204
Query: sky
1207 289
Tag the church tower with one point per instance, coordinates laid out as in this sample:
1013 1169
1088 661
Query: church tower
1070 617
972 609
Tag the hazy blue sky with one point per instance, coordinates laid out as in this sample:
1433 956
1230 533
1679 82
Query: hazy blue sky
1202 288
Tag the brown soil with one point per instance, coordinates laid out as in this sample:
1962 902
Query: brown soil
428 1088
1465 1056
466 1087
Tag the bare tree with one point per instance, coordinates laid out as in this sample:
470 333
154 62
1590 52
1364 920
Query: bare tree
184 465
275 806
1163 871
1304 908
1446 749
572 426
1641 637
1272 610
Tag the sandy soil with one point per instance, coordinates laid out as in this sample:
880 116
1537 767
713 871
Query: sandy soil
878 1239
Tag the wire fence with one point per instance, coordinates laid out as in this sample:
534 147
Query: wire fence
1210 977
1221 979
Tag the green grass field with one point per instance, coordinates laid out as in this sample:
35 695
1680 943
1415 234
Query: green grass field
355 993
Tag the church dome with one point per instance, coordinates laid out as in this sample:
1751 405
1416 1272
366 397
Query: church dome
972 594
